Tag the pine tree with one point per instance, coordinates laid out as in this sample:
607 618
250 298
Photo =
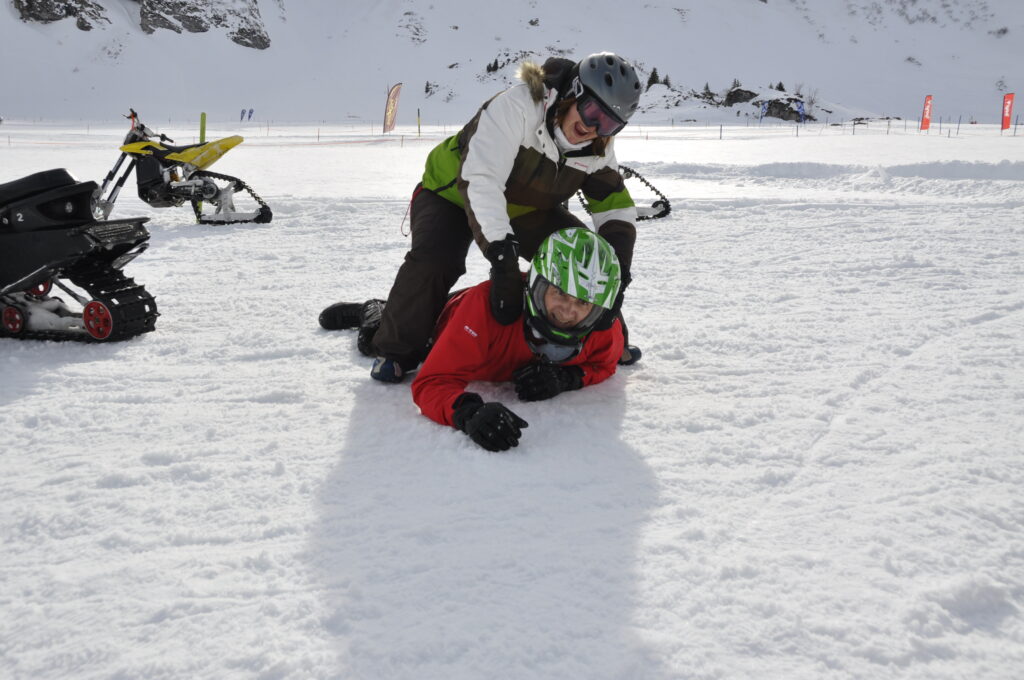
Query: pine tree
667 82
707 93
654 79
735 83
780 87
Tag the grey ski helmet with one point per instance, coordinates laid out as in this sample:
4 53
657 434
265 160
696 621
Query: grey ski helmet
611 79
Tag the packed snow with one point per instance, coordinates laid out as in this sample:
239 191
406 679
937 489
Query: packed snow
814 472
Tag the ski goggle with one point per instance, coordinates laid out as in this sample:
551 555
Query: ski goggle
593 113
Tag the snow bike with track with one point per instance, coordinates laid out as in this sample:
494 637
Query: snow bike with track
49 239
168 176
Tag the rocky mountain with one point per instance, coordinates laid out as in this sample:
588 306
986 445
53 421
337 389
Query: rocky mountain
240 18
85 12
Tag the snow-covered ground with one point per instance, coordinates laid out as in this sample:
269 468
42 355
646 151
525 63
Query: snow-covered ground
815 472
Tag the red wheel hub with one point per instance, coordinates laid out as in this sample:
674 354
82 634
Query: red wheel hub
14 320
41 289
98 320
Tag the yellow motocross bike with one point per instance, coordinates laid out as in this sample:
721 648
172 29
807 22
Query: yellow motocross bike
168 176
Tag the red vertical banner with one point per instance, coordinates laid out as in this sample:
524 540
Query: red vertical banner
391 108
1007 110
926 114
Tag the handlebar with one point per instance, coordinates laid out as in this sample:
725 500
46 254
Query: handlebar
141 127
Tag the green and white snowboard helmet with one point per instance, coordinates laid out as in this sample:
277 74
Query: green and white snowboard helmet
582 264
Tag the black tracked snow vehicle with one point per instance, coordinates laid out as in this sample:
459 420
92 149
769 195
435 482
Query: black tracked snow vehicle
50 242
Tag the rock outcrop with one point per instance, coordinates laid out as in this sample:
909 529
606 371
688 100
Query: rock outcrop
87 14
241 18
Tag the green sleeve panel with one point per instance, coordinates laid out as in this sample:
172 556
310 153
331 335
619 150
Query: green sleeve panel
615 201
442 170
515 211
605 190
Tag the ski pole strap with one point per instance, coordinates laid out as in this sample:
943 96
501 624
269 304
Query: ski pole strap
408 209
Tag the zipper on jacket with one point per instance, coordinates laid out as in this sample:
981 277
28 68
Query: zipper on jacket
560 164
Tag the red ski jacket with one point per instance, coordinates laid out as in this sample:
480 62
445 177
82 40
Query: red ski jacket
471 345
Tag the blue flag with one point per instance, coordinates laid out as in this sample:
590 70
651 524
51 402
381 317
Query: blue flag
764 110
800 110
243 115
250 114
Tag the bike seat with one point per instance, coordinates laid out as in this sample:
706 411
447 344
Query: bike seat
34 184
203 155
179 149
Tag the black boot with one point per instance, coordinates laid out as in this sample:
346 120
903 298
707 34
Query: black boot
369 321
341 315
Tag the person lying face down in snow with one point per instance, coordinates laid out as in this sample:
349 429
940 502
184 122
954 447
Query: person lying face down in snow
559 343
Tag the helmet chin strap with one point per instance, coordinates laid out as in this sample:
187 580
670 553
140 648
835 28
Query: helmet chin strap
548 351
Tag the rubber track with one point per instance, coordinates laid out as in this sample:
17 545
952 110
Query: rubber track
132 308
239 185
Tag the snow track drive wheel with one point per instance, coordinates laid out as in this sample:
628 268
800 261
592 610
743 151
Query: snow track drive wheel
41 290
13 320
98 320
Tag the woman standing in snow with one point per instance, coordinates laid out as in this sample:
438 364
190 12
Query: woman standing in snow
501 181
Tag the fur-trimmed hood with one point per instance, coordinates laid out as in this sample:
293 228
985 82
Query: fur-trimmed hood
533 75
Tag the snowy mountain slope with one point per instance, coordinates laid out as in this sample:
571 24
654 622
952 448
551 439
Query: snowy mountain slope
333 61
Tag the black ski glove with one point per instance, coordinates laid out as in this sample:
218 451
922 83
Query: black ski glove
490 425
536 382
506 280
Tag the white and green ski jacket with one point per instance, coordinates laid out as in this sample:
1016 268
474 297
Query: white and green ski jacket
504 163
